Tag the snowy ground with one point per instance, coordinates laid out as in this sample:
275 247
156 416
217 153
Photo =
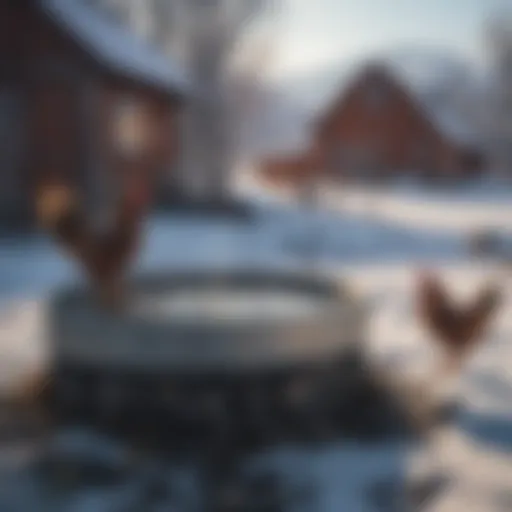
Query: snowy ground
460 211
449 210
378 256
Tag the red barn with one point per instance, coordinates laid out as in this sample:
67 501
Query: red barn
82 100
380 127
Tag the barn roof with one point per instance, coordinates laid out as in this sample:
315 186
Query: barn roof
446 116
115 46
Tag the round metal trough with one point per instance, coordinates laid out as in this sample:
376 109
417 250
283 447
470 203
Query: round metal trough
219 370
327 321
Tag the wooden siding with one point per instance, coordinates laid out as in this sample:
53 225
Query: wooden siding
69 106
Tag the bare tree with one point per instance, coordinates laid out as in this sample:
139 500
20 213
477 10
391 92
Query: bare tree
214 31
499 34
250 100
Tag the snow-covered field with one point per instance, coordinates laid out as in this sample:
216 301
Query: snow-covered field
378 256
460 211
448 210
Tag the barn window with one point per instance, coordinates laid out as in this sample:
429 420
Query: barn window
129 127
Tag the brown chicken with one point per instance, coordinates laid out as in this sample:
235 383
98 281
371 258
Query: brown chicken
457 328
104 255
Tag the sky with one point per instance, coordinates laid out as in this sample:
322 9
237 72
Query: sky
311 34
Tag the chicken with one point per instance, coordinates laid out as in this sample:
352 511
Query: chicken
458 329
104 255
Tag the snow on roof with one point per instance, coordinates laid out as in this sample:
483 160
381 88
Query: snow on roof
115 46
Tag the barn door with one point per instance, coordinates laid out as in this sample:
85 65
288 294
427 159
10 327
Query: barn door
14 189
